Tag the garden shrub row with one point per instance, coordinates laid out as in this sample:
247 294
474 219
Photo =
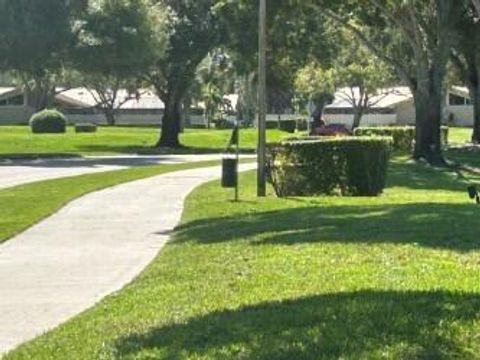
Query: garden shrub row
85 128
348 166
403 136
51 121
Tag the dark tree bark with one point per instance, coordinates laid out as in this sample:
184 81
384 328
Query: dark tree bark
475 97
428 97
473 82
171 121
110 115
173 92
468 65
357 118
40 95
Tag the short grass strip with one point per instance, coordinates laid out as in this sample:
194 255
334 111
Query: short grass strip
19 142
25 205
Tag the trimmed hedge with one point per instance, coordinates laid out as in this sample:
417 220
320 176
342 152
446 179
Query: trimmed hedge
48 122
403 136
349 166
85 128
288 125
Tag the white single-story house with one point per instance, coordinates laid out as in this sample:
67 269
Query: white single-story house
80 106
395 106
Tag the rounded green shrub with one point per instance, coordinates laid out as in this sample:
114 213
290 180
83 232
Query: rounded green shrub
85 128
48 122
349 166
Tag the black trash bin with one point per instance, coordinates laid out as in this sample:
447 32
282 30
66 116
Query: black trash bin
229 172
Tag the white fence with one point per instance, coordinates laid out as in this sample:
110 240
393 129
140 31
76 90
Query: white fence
367 120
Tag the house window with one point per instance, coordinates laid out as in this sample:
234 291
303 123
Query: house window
456 100
17 100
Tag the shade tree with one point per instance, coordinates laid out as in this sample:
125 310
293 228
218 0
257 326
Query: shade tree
413 37
118 42
466 59
35 40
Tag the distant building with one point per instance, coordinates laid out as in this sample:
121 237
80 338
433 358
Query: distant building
80 106
395 106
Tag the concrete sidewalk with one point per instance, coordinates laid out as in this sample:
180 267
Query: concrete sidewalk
18 172
89 249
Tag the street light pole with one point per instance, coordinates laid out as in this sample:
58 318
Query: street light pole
262 100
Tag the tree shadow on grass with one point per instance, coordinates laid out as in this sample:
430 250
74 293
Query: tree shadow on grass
421 177
360 325
152 150
434 225
5 158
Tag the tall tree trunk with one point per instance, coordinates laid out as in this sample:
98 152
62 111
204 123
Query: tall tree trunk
475 97
357 118
110 116
40 96
428 110
187 104
171 122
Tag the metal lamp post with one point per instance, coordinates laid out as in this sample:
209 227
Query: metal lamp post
262 100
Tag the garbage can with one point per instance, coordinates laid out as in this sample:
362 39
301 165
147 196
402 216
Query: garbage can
229 172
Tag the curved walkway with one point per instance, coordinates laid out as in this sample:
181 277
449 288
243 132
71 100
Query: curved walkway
19 172
89 249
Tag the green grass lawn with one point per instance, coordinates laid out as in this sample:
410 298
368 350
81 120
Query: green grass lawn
393 277
24 205
18 141
460 135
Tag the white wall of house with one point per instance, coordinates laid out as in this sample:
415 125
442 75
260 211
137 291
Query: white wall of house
13 115
405 113
367 120
462 115
121 119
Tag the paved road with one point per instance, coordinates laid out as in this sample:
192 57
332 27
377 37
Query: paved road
13 173
71 260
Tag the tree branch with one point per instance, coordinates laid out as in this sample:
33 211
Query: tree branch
371 46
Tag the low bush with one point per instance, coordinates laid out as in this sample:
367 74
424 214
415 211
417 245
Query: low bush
349 166
288 126
85 128
403 136
48 122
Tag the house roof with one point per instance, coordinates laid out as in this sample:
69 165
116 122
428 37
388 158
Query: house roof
82 97
461 91
385 98
6 90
